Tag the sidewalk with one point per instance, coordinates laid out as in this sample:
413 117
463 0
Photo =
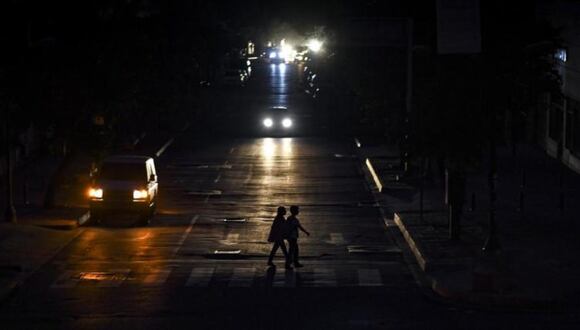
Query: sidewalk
537 266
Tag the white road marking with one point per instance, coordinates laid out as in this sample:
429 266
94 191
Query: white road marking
185 234
231 239
165 146
250 174
200 277
120 275
324 277
242 277
218 178
369 277
66 280
232 150
157 277
337 238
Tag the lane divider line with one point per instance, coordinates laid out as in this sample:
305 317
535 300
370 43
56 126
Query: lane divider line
357 142
164 147
83 218
185 234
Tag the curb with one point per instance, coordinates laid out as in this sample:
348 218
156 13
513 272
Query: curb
376 178
394 233
481 299
170 141
421 260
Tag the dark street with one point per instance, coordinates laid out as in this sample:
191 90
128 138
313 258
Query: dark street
148 148
202 260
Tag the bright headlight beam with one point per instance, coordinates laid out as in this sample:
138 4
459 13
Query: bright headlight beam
268 122
139 194
287 52
314 45
96 193
287 122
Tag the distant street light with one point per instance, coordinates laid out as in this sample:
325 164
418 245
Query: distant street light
315 45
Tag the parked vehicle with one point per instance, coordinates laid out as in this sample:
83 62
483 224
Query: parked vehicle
124 184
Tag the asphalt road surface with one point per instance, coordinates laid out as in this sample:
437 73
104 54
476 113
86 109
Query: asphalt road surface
201 263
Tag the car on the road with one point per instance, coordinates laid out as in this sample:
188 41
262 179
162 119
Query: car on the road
274 55
124 184
277 120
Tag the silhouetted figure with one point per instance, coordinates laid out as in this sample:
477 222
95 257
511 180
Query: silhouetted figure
278 232
293 226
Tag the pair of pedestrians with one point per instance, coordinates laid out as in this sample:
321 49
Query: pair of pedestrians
283 228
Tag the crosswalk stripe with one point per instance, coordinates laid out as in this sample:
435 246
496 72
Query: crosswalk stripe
324 277
200 276
232 239
120 275
337 238
242 277
369 277
65 280
157 277
285 279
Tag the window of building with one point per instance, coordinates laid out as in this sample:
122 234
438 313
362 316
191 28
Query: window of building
569 133
556 118
555 123
561 55
574 108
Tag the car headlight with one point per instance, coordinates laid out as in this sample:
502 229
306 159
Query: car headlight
96 193
140 194
268 122
287 122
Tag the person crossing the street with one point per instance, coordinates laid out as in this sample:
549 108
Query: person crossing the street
293 226
278 232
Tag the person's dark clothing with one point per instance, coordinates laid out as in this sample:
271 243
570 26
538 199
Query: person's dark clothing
278 244
293 252
293 223
279 229
278 232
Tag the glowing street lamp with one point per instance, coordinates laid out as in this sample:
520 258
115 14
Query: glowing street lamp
315 45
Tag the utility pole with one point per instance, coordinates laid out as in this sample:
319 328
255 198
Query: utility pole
10 212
